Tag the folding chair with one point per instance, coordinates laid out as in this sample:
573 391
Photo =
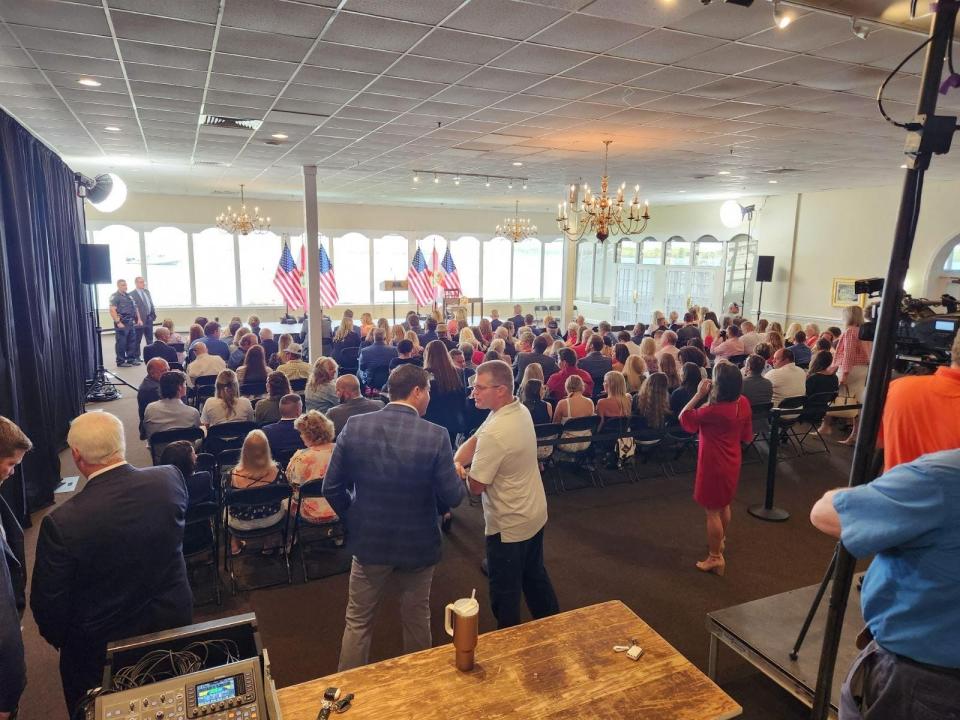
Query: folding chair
738 360
176 366
307 533
788 423
282 456
616 429
226 436
648 441
760 414
298 385
159 440
241 499
254 389
674 436
204 386
201 541
545 453
584 456
814 410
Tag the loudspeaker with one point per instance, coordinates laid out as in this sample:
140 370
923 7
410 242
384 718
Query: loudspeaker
765 268
95 264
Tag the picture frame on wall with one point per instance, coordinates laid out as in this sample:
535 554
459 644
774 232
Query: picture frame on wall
843 293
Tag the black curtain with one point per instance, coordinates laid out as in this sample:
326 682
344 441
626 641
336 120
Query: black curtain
46 342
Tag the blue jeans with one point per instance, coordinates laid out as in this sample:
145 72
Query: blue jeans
883 685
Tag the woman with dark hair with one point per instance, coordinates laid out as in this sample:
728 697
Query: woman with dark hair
690 354
653 401
254 368
447 395
723 424
689 382
183 457
268 408
822 379
532 399
668 366
620 354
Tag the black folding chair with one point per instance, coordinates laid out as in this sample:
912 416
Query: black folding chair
254 389
176 366
788 422
179 347
201 543
238 500
738 360
649 442
545 453
680 441
298 385
308 533
226 436
583 457
282 456
814 410
204 387
760 414
159 440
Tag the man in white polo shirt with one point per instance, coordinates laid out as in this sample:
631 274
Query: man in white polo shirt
502 456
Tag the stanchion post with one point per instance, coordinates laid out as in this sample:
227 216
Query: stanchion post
767 511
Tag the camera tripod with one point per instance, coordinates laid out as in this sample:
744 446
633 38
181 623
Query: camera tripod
103 387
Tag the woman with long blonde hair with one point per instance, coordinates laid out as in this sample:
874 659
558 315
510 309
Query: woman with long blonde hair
415 339
634 372
321 393
533 371
792 331
226 405
617 403
255 469
366 324
648 353
775 341
396 334
709 332
573 331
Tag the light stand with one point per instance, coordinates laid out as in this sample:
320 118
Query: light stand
746 212
928 134
759 302
103 387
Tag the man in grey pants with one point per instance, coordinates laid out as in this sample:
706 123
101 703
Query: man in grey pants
387 473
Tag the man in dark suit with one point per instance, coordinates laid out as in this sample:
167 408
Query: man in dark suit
376 357
149 390
431 333
517 319
282 435
351 402
109 560
159 347
13 670
596 363
538 355
388 472
148 313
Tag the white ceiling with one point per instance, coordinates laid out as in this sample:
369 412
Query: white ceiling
370 89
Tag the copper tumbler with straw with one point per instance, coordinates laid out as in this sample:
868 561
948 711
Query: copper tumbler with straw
460 619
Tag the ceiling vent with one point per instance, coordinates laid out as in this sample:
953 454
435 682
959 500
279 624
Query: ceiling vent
781 171
211 163
219 125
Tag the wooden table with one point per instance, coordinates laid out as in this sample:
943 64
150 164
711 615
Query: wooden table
559 667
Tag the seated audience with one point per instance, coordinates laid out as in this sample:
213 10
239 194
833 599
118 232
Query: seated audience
688 330
620 354
310 463
639 330
648 353
634 372
820 378
431 334
211 338
351 402
568 366
774 340
293 365
467 350
812 332
204 364
617 403
573 405
245 341
254 323
227 405
194 333
498 349
595 362
406 355
668 366
652 403
254 368
282 435
729 347
170 411
756 388
397 333
444 337
583 345
624 337
377 357
791 333
320 394
749 338
456 355
689 382
692 354
343 339
256 469
531 397
447 395
267 409
175 337
270 346
801 351
160 348
275 360
538 355
149 390
182 455
788 380
366 324
709 332
533 371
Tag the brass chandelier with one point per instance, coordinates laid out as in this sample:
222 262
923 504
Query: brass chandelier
601 214
242 223
516 228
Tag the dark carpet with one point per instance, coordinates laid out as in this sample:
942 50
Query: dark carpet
634 542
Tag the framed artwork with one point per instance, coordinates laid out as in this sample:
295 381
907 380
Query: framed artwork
843 293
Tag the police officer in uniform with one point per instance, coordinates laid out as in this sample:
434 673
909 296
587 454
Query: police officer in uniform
126 318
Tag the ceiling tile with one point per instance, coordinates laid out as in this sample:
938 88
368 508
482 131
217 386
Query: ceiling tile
538 59
679 103
796 69
666 47
732 87
262 45
150 54
586 110
674 79
505 80
879 44
611 70
733 58
626 96
567 88
15 57
252 67
182 9
66 43
475 97
726 20
331 77
430 12
148 28
222 97
530 103
444 109
171 76
276 16
318 94
651 14
55 16
787 96
162 90
810 32
850 77
454 45
385 102
503 18
373 32
405 88
582 32
358 59
422 68
235 83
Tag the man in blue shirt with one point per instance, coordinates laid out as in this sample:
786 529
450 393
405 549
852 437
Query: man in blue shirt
909 518
388 473
211 338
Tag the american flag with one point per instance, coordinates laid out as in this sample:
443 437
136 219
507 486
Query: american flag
288 280
449 277
328 281
420 280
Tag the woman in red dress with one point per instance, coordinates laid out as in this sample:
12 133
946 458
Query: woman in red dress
724 423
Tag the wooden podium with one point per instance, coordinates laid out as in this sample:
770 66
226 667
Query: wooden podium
393 286
453 300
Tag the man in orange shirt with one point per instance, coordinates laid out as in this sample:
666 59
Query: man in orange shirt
922 414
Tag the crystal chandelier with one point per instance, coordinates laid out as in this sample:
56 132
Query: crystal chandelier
516 228
601 214
242 222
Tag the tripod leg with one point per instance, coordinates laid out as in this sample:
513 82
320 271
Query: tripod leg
795 653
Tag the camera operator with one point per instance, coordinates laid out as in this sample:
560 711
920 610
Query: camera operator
922 413
909 664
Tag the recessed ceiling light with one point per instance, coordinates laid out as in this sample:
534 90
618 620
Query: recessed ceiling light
279 136
903 167
683 191
723 172
89 82
517 163
772 182
112 128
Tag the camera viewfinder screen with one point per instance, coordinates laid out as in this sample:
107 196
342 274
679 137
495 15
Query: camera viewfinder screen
216 691
945 325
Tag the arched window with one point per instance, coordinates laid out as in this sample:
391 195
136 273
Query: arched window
125 263
466 256
259 258
628 251
952 263
389 263
652 251
678 251
526 269
496 269
553 269
351 263
168 267
214 267
708 252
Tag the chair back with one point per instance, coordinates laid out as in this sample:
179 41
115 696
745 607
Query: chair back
159 440
283 455
275 492
815 407
227 435
176 366
642 432
467 374
200 487
254 389
590 422
205 463
179 347
349 357
312 489
298 385
738 360
205 381
761 416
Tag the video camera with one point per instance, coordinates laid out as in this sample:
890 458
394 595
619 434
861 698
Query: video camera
924 336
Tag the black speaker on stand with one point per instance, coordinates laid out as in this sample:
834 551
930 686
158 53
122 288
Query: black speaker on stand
95 270
764 274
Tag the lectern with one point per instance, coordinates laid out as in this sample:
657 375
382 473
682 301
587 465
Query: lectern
393 286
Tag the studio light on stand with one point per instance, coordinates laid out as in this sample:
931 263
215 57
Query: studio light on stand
107 192
732 214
